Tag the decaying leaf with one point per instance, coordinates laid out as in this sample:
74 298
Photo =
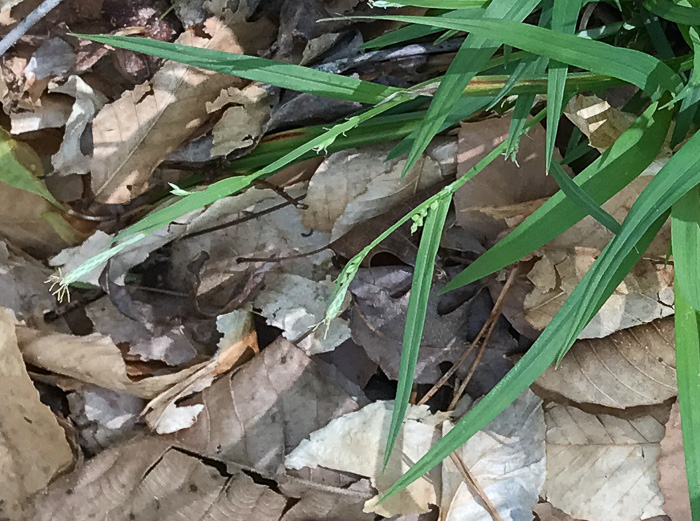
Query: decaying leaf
353 186
53 113
672 477
603 124
602 467
246 111
70 159
33 446
22 285
355 443
632 367
504 182
132 135
546 512
292 397
297 306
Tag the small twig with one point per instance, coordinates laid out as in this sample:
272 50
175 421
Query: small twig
21 28
262 183
283 258
493 320
475 486
249 217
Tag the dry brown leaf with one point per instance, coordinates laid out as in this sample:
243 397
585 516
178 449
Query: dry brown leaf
253 418
355 185
92 359
22 285
53 113
546 512
240 126
135 133
33 446
633 367
602 467
503 182
673 481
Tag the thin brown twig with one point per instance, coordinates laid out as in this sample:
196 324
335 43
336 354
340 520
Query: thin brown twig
492 321
283 258
475 487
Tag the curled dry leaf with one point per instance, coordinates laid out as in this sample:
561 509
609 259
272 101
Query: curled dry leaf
33 446
673 481
603 124
70 159
503 182
626 369
355 443
134 134
602 467
355 185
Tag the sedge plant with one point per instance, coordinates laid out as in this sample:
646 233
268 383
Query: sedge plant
513 50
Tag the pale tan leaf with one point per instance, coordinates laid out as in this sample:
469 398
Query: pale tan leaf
53 113
633 367
355 185
672 478
602 467
133 134
33 446
22 285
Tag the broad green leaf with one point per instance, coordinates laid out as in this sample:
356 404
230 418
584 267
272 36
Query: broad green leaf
415 315
687 322
17 157
580 198
685 239
472 56
671 11
635 67
646 216
286 75
564 17
631 153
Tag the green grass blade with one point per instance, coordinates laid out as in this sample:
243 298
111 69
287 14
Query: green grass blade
433 4
645 71
472 56
415 316
537 359
690 93
580 198
671 11
685 221
564 18
687 322
633 151
284 75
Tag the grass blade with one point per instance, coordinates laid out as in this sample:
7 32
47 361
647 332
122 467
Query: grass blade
631 153
687 322
671 11
690 93
564 18
433 4
284 75
581 199
685 221
643 70
472 56
415 316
